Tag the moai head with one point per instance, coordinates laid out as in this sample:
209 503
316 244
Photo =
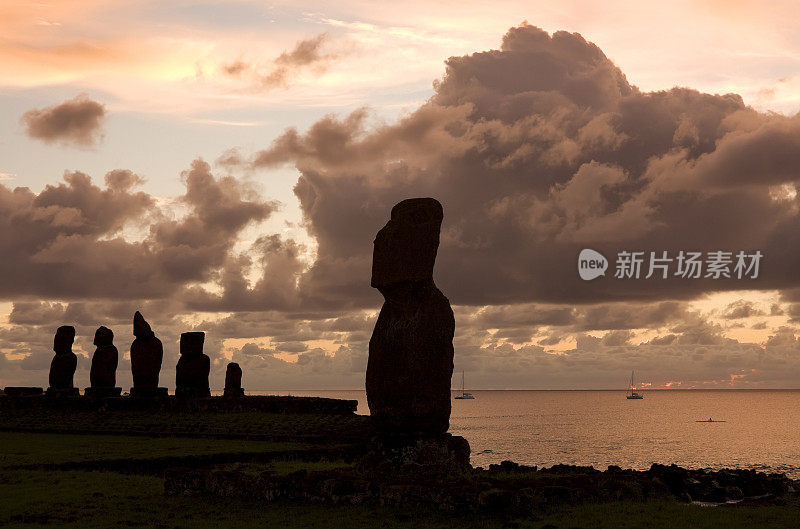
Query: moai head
65 336
192 343
103 336
141 329
233 376
405 248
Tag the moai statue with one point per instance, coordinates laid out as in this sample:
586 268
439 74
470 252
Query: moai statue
103 374
62 367
147 352
411 350
233 381
191 373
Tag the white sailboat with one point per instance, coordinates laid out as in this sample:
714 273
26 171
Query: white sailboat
633 394
464 394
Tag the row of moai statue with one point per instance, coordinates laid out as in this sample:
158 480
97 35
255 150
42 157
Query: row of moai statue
147 353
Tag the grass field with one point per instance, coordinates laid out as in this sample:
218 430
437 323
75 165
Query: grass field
74 499
42 483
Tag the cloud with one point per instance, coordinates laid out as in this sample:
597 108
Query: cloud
741 309
75 122
235 68
305 54
537 150
67 242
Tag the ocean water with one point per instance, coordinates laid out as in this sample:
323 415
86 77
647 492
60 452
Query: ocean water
600 428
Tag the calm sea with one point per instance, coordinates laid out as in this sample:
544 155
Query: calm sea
600 428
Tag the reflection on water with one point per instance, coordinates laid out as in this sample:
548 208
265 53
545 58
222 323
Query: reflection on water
602 428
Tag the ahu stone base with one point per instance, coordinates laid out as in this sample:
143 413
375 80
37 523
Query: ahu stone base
102 393
148 393
432 455
63 392
23 391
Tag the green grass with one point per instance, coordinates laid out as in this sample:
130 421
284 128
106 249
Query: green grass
284 467
79 498
254 424
46 449
103 499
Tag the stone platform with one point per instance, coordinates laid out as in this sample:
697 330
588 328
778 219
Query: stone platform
266 404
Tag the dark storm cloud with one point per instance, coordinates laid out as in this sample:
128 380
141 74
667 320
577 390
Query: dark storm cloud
540 149
77 121
65 242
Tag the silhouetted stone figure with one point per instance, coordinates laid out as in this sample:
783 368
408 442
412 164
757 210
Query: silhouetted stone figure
411 350
191 373
103 374
62 367
233 381
147 352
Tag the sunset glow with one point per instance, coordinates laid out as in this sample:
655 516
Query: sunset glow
224 167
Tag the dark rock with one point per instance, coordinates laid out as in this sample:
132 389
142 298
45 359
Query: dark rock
495 500
233 381
191 373
411 350
438 455
103 373
555 494
778 484
673 476
733 494
146 356
572 469
62 367
511 466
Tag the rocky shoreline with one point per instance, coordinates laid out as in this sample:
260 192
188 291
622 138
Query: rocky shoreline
506 488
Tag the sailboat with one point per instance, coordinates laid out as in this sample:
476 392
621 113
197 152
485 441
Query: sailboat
464 394
633 394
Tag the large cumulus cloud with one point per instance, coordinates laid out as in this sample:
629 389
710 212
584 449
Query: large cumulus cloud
66 242
537 150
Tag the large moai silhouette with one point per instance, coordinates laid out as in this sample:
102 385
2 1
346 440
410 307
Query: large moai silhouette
147 352
103 373
411 350
233 381
191 373
62 367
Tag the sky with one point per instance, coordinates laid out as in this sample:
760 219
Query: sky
225 166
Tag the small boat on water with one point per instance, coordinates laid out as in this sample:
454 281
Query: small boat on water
710 420
633 393
464 394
